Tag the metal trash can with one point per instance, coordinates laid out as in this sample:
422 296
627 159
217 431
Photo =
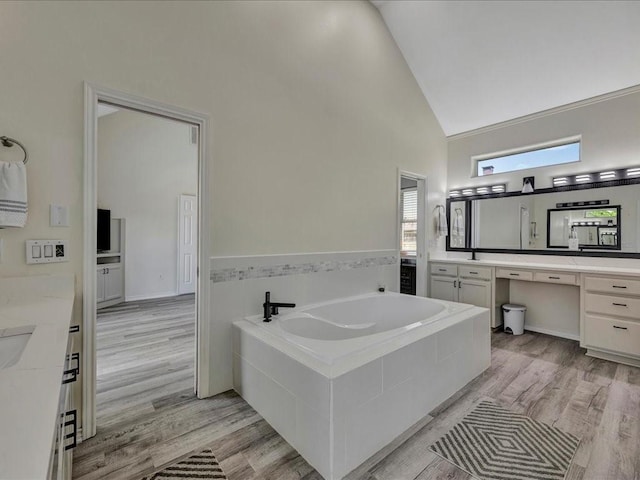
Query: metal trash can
513 318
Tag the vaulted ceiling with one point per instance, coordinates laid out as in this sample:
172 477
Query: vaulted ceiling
480 63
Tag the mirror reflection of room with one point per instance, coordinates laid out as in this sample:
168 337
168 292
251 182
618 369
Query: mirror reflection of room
547 221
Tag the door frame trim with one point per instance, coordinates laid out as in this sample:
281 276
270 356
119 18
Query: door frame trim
92 95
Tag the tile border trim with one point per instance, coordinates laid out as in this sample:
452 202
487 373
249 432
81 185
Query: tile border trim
292 268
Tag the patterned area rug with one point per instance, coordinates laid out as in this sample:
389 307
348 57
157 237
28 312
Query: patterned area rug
203 466
492 443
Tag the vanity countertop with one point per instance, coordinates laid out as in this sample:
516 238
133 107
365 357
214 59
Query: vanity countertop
558 267
30 389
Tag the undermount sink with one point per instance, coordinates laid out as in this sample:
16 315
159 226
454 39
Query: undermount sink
12 343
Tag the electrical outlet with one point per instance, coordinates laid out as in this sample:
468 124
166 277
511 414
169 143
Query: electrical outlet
46 251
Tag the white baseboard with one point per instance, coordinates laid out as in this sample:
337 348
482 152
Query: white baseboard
569 336
135 298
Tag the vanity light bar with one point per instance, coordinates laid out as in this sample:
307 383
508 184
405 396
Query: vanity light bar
484 190
603 176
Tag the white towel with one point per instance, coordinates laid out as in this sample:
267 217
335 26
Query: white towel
442 230
13 194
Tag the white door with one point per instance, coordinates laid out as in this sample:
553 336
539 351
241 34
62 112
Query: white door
187 244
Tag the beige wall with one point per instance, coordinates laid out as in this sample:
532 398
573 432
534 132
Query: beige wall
312 108
144 164
609 132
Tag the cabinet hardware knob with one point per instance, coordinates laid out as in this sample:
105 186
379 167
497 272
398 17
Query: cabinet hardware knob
473 273
442 269
515 274
620 328
554 278
620 304
619 286
455 284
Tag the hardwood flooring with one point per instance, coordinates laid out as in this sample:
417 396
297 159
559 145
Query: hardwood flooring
547 378
145 352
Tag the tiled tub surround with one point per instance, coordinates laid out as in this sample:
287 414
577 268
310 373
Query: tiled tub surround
238 285
338 411
30 389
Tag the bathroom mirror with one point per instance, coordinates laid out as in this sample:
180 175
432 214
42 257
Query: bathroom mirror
458 220
595 228
605 217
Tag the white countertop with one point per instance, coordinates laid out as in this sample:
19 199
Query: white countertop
30 389
558 267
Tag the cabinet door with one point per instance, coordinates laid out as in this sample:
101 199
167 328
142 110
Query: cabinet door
114 282
444 288
475 292
100 285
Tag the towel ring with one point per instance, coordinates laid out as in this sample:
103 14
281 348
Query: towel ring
10 142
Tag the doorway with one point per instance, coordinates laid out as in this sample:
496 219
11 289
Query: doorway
412 235
199 242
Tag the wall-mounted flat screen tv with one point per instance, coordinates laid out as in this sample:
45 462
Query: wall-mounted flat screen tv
104 230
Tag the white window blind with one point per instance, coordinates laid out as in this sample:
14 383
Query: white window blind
409 221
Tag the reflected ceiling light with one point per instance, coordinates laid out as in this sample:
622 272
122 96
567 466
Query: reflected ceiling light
583 178
454 193
633 172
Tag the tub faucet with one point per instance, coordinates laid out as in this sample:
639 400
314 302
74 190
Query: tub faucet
271 308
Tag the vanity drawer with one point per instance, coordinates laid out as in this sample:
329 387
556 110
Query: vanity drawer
553 277
481 273
612 305
612 285
514 274
615 335
444 269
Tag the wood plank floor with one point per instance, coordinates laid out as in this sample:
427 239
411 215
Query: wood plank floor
145 352
547 378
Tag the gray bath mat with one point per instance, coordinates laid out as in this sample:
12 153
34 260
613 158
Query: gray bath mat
492 443
202 466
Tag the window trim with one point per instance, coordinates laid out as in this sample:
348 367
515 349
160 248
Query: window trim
475 159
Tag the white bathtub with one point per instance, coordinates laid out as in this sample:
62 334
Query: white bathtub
341 379
331 331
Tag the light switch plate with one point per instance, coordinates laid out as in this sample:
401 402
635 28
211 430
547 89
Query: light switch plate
46 251
58 215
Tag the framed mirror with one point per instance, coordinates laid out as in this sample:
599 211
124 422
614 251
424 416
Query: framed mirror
459 224
604 216
594 228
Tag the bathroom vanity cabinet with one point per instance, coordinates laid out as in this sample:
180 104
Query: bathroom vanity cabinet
465 284
610 318
604 300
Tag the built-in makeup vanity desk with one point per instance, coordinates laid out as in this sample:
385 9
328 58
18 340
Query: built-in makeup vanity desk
600 306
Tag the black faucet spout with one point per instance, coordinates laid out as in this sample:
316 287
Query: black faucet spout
271 308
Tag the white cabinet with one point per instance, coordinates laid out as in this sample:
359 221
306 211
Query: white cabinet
100 284
475 292
610 327
462 283
110 268
444 288
109 284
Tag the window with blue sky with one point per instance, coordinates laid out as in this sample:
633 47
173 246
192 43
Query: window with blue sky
534 158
